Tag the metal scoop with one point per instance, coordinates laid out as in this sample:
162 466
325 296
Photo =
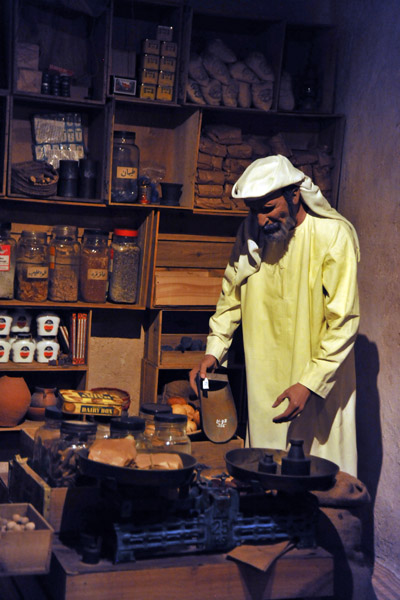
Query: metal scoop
218 410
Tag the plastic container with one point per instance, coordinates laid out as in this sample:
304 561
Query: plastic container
170 433
63 459
132 427
47 323
8 255
5 322
124 266
5 348
94 266
44 437
21 321
47 348
23 348
65 253
32 267
148 411
125 168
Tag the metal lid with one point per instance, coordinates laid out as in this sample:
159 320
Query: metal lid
127 424
125 232
170 418
78 427
53 412
152 408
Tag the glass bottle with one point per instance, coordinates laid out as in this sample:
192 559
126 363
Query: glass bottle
132 427
64 264
170 433
124 266
63 452
93 277
44 436
147 412
8 253
125 167
32 266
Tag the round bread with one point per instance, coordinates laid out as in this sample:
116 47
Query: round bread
191 426
176 400
179 409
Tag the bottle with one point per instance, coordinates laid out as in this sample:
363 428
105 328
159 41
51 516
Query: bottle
63 459
8 253
125 167
23 348
32 266
93 276
65 253
44 436
132 427
147 412
124 266
170 433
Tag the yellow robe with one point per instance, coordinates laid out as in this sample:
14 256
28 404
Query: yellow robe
300 316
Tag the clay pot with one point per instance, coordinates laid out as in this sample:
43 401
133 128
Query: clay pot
15 398
41 398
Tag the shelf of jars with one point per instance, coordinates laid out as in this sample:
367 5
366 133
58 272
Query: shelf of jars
34 366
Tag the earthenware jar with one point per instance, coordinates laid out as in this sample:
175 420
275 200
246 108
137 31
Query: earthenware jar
15 398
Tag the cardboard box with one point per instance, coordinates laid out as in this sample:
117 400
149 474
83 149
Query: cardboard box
147 90
27 56
149 76
167 63
166 78
169 49
150 61
151 46
29 81
165 33
164 92
25 552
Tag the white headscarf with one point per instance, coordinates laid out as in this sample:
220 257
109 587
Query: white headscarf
264 176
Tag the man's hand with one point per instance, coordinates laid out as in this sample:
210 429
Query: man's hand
209 362
298 396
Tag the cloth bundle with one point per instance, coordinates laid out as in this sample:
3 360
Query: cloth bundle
34 178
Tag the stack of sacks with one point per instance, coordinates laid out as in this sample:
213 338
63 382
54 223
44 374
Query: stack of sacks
217 77
224 153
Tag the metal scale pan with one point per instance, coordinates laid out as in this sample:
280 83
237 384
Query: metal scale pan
139 477
242 464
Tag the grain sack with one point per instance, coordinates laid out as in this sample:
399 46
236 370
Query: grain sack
262 94
197 70
216 68
279 146
221 50
230 93
322 177
244 96
257 62
258 144
209 147
236 165
215 177
212 92
194 93
239 151
207 161
224 134
209 191
212 203
241 72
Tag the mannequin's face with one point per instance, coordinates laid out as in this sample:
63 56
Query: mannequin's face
275 216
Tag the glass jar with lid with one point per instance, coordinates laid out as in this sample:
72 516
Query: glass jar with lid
44 436
8 256
170 433
132 427
63 452
93 277
147 411
65 253
32 266
124 266
125 167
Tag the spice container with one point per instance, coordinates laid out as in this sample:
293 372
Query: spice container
47 323
132 427
124 266
64 264
44 436
23 348
5 347
5 322
63 452
170 433
93 278
147 412
125 167
32 266
8 253
47 348
21 321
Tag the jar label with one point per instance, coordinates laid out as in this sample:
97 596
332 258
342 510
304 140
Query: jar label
24 352
3 323
5 257
48 352
36 272
127 173
97 274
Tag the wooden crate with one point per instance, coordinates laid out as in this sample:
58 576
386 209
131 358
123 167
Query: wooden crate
176 359
183 287
64 507
25 552
213 455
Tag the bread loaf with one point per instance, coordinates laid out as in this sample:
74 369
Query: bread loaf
116 452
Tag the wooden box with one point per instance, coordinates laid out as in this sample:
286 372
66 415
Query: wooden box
64 507
213 455
25 552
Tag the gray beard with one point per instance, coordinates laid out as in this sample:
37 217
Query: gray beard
280 234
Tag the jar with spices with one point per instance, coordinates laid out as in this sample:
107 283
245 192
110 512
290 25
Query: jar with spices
93 278
124 266
132 427
8 253
125 167
32 266
23 348
44 436
170 433
65 253
63 452
148 411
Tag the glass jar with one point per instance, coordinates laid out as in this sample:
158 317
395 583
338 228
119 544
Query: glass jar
47 348
124 266
65 253
8 254
132 427
5 347
125 167
93 278
170 433
23 348
32 266
147 412
63 452
44 436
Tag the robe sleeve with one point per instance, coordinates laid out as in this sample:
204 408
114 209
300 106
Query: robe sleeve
341 307
226 318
